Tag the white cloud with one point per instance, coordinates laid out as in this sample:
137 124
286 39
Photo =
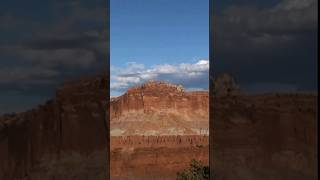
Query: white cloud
190 75
165 69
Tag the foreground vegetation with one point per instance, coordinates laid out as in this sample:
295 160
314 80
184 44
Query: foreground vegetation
195 171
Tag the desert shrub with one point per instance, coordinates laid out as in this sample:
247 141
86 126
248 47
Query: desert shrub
195 171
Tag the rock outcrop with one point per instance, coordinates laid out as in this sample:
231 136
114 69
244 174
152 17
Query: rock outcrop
159 108
225 85
69 129
158 141
154 162
155 157
266 136
156 129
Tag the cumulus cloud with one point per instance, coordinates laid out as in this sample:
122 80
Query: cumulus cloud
191 75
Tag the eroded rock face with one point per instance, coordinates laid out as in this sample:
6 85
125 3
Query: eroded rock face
70 125
225 85
157 128
155 157
268 136
154 163
159 108
157 141
271 136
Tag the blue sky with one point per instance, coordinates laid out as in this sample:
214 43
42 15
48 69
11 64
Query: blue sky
146 35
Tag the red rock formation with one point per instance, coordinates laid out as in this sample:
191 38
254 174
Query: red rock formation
157 128
255 137
270 136
159 108
155 157
154 163
73 122
159 96
157 141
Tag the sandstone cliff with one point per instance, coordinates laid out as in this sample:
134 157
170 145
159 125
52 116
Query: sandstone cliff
53 140
156 129
158 141
155 163
159 108
266 136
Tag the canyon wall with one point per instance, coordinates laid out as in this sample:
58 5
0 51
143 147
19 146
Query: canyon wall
157 141
71 125
154 162
159 108
266 136
155 157
156 129
160 96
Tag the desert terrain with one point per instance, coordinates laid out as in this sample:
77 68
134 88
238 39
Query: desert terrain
261 136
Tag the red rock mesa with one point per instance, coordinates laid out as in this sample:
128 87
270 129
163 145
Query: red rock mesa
159 108
156 129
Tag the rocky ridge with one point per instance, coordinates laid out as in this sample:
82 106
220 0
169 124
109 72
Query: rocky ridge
63 133
159 108
264 136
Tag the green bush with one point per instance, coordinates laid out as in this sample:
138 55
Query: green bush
196 171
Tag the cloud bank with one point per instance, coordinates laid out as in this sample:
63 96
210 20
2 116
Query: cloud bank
193 76
40 49
268 43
